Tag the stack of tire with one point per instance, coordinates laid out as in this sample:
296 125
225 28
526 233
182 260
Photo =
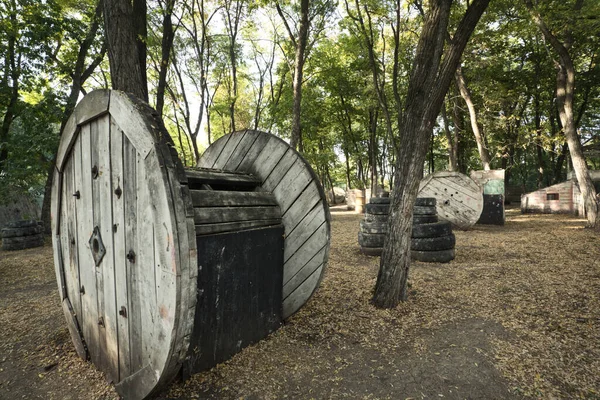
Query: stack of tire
373 227
21 235
432 241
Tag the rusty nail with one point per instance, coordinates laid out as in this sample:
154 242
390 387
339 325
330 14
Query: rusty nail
123 312
95 171
77 195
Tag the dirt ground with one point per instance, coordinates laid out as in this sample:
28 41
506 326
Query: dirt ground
516 314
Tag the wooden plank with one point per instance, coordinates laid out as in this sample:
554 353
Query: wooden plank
69 236
198 177
107 266
279 171
240 152
249 159
74 329
269 157
130 204
136 386
293 183
85 221
307 270
211 229
304 230
317 241
119 253
93 105
77 184
302 293
70 281
234 140
97 134
211 215
131 121
145 265
303 205
210 155
223 198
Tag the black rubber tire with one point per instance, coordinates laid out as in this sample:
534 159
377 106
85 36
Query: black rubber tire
371 239
424 210
436 229
441 256
425 201
32 241
373 227
424 219
15 232
376 217
377 208
21 224
372 251
23 239
433 243
379 200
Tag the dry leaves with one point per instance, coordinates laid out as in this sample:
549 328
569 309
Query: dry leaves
516 314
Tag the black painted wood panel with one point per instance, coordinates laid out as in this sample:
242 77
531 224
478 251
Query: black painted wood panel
239 293
493 210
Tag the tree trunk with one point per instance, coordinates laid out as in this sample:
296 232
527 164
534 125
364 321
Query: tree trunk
466 95
12 73
429 81
452 140
126 46
296 140
165 50
565 84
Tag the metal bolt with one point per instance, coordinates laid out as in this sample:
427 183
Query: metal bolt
77 195
131 256
123 312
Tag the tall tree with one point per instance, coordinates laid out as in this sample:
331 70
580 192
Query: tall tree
125 27
465 93
565 92
433 68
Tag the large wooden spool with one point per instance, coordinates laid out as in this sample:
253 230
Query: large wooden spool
129 222
459 198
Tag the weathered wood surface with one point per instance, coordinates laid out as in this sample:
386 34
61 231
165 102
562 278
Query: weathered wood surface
459 199
240 301
135 307
197 177
305 213
227 198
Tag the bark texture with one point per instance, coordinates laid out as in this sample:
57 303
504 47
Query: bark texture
125 35
465 93
431 75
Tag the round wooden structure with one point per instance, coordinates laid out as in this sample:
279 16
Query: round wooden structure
459 198
124 246
127 220
304 210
